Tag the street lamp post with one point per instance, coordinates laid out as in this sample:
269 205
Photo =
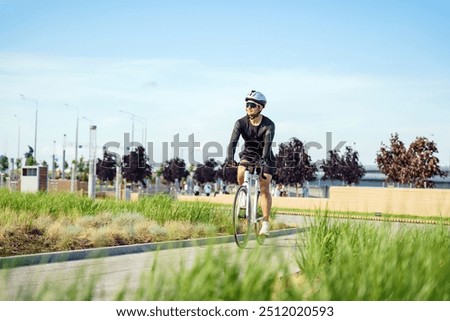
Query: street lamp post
88 119
74 170
132 122
35 123
118 184
18 137
144 139
92 157
133 118
63 174
54 160
143 122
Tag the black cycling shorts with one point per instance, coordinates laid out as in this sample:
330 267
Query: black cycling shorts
269 168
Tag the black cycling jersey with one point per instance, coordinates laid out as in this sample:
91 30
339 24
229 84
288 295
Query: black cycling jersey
258 140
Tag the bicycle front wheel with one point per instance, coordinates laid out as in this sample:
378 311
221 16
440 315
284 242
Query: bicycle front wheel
241 221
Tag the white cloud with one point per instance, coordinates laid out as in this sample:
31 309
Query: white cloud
186 96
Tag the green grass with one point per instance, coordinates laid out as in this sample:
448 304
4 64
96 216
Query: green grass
361 261
43 222
25 207
351 260
215 275
36 223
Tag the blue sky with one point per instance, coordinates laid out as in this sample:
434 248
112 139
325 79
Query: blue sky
358 69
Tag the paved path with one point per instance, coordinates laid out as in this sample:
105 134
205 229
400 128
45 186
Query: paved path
113 272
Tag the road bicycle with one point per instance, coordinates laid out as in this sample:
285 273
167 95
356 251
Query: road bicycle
246 213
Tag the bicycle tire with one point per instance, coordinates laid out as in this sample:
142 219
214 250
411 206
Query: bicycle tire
241 222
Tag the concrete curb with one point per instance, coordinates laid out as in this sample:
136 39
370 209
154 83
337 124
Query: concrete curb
76 255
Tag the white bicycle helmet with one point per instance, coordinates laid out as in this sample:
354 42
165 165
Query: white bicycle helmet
256 97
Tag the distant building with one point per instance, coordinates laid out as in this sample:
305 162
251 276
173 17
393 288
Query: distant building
34 179
374 178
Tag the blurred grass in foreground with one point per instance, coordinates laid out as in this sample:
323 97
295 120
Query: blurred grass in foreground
384 261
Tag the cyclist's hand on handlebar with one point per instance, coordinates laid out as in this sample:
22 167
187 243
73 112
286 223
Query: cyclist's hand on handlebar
262 164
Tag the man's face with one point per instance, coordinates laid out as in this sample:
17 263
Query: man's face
253 109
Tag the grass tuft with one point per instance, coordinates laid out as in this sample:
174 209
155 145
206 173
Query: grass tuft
360 261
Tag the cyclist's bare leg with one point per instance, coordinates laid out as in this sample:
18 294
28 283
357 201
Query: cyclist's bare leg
240 174
266 197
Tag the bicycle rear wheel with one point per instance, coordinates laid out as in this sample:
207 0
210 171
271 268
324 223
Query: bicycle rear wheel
241 222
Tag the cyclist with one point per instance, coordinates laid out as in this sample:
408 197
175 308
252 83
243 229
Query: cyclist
257 131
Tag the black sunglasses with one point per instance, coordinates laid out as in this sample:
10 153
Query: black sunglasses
251 105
